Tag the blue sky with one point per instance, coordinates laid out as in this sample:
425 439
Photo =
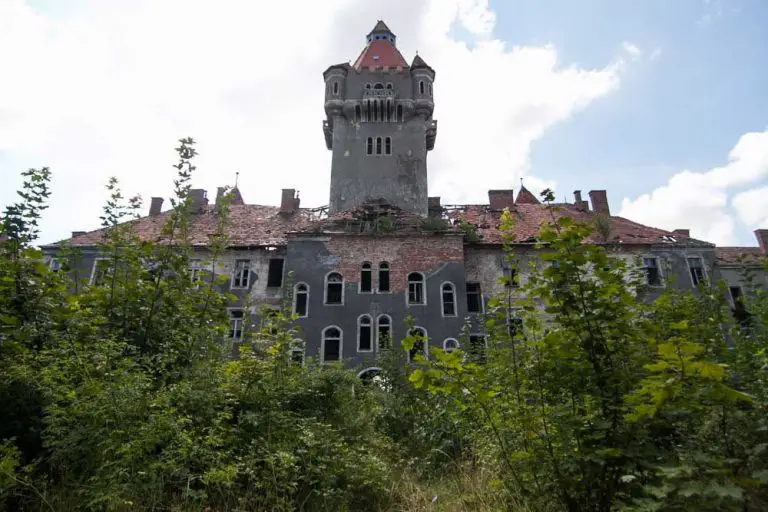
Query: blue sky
644 98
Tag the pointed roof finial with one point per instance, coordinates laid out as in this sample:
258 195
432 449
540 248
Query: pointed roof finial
237 177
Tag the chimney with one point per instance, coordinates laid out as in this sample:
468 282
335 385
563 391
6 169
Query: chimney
500 199
599 200
762 239
579 202
289 202
199 199
220 193
433 206
682 232
155 206
77 233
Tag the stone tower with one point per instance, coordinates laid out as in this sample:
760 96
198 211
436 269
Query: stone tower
379 127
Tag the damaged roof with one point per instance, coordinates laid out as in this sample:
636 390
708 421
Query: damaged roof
740 256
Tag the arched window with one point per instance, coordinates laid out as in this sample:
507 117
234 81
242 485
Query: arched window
330 349
366 278
399 113
297 352
375 111
367 86
384 277
334 288
419 345
389 111
336 88
384 332
421 87
389 85
450 344
449 299
358 113
378 86
364 334
378 145
369 146
301 299
388 145
416 295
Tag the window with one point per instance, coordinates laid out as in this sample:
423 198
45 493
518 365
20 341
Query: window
389 85
416 289
511 277
378 145
477 348
301 300
100 274
369 146
514 323
388 145
358 113
331 344
297 352
334 288
236 317
275 273
335 87
366 278
364 334
367 86
242 274
421 87
652 271
696 268
195 271
737 297
449 299
384 277
54 265
384 332
474 298
378 86
399 113
450 344
420 345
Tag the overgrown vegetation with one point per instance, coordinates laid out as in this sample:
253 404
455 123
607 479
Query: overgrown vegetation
123 395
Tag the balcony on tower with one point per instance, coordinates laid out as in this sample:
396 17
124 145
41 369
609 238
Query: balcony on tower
431 134
382 94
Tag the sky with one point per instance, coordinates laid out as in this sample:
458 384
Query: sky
661 103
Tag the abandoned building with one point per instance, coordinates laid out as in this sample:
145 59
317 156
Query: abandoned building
383 249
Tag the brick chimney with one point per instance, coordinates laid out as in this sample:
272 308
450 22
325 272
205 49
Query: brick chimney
433 207
579 202
77 233
683 232
289 202
762 239
155 206
599 200
199 199
500 199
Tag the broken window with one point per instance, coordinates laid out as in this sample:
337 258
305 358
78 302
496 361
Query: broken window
384 332
450 344
101 272
449 299
366 278
384 276
297 352
696 267
54 265
514 323
652 271
416 289
419 345
378 145
331 344
477 348
195 269
364 334
236 317
301 300
242 274
511 277
334 289
275 273
474 298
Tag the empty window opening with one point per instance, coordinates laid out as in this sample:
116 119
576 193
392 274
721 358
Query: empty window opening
389 111
449 299
275 273
696 267
54 265
236 317
450 344
367 86
301 300
419 345
334 289
389 85
737 297
366 278
416 288
297 352
421 87
242 274
474 298
399 113
101 272
378 145
388 145
514 323
511 276
384 332
477 348
369 144
384 276
652 271
358 113
378 86
331 344
375 111
365 334
368 111
335 87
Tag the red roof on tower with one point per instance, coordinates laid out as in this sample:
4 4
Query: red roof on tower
380 53
525 196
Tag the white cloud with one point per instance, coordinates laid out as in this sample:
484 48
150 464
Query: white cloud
110 87
699 201
632 49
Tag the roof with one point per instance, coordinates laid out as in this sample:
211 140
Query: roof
418 62
380 53
380 27
739 255
525 196
258 225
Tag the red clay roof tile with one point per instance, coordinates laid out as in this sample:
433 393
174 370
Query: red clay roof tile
525 196
380 53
